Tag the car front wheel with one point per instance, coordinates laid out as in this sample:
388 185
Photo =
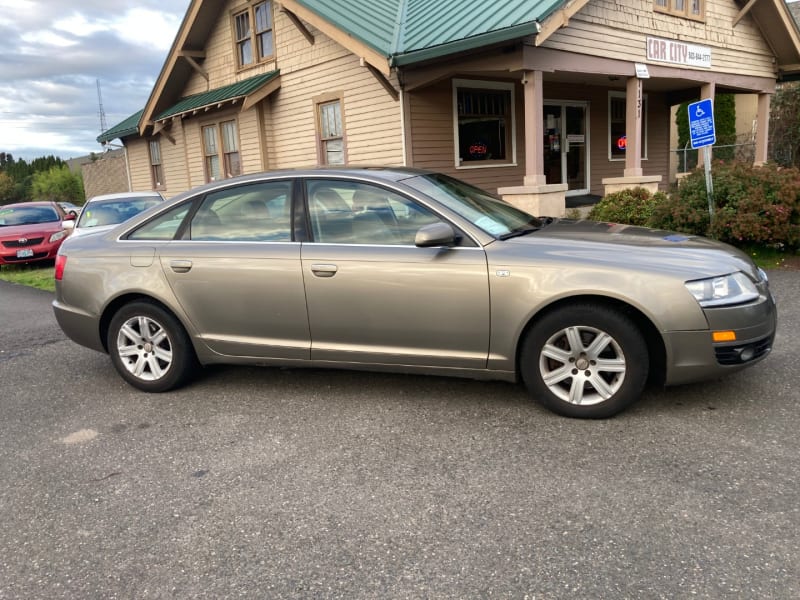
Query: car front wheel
149 347
586 361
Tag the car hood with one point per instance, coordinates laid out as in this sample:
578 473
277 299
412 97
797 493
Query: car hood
18 231
634 247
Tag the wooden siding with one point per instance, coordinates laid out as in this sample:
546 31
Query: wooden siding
433 138
173 158
139 164
618 29
280 131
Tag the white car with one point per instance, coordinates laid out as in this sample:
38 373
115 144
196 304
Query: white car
104 212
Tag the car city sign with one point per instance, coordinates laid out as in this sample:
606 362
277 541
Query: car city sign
678 53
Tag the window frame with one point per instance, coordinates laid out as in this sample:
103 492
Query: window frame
670 8
511 127
252 37
223 157
156 165
322 141
624 96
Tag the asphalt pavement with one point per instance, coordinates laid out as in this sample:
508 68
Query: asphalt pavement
275 483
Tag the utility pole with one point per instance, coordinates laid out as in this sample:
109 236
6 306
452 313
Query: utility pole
103 125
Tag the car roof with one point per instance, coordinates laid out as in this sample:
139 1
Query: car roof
34 203
374 173
123 195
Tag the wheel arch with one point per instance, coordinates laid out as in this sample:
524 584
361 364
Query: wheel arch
117 303
653 339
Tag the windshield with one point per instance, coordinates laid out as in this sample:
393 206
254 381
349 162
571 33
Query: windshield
111 212
492 215
27 215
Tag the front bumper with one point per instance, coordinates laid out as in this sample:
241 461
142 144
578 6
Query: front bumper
694 356
14 254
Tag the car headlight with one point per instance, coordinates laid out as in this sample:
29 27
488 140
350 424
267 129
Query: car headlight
735 288
58 235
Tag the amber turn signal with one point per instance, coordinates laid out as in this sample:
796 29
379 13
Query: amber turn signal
724 336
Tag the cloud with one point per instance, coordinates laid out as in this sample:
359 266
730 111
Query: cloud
55 52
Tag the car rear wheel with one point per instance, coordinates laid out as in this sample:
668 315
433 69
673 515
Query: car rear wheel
586 360
150 348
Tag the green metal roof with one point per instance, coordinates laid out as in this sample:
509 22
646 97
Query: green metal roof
240 89
407 31
127 127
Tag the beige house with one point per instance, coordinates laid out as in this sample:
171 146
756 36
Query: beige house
537 100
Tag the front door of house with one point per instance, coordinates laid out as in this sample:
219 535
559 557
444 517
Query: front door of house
566 143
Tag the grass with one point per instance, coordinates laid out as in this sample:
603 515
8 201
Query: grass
769 257
37 276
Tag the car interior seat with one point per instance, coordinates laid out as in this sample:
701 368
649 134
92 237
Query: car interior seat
331 216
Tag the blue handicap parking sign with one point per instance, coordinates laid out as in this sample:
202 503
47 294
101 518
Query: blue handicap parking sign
701 124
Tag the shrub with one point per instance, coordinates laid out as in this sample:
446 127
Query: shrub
752 205
634 206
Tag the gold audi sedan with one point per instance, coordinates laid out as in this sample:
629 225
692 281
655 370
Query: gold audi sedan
410 271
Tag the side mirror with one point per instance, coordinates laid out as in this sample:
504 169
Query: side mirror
68 224
435 234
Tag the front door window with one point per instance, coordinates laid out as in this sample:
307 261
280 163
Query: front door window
565 141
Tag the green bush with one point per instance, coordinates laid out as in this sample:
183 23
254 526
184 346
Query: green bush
684 210
634 206
759 205
752 206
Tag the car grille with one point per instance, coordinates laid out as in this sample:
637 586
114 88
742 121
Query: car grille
28 242
10 259
737 354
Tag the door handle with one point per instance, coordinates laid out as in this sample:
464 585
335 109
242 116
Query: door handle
181 266
324 270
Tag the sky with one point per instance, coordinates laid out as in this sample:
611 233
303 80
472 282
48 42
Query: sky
53 53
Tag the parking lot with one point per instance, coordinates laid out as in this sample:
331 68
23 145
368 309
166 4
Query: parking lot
273 483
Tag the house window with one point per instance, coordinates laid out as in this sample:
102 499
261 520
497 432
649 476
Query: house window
156 167
330 132
252 28
221 152
690 9
230 149
484 123
617 139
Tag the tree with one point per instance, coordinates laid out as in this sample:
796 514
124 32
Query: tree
6 188
58 183
724 126
784 126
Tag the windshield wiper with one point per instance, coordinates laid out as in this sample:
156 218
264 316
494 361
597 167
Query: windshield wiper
519 231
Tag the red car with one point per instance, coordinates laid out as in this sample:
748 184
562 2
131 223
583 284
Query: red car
31 231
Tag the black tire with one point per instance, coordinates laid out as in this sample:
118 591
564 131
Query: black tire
150 348
564 371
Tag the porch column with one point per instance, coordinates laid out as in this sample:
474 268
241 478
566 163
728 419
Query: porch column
535 195
762 130
633 128
706 92
632 176
534 128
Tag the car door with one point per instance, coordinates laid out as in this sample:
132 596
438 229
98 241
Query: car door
237 275
374 297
